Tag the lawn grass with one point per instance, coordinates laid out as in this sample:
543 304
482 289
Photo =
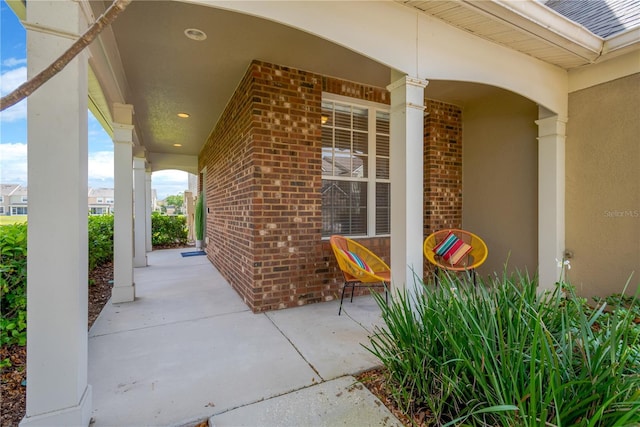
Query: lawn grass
12 219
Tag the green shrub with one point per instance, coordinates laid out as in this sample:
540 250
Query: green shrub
500 354
100 240
13 272
13 284
168 230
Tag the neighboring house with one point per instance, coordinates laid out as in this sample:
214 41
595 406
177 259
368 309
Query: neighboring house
101 201
507 118
13 199
6 190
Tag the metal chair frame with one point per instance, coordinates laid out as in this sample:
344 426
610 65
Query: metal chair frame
354 275
473 259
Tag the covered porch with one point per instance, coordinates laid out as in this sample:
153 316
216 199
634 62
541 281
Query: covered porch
162 89
189 349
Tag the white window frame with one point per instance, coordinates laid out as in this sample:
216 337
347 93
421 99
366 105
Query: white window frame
99 200
372 108
109 201
14 210
1 210
1 199
25 199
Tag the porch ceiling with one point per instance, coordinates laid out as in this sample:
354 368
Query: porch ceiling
145 59
165 73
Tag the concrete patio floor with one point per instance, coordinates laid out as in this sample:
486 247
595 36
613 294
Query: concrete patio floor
189 349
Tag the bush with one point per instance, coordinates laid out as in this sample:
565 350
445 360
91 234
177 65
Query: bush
504 355
13 272
100 240
168 230
13 284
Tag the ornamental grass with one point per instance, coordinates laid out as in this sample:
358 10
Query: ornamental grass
503 354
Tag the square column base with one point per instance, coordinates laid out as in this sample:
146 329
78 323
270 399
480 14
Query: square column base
140 261
79 415
121 294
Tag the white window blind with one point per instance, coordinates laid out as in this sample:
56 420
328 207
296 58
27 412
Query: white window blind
355 169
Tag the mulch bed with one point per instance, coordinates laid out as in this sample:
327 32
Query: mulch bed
376 381
12 379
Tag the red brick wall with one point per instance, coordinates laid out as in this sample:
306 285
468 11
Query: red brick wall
227 155
264 178
442 167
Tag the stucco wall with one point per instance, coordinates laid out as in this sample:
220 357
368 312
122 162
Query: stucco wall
500 191
603 186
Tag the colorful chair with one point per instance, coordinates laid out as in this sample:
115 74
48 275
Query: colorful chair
455 250
359 266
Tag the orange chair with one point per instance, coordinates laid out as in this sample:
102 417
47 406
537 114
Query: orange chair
359 266
468 263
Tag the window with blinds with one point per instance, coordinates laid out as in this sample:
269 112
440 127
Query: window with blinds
355 169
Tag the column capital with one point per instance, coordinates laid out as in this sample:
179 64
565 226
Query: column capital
550 126
139 163
408 81
45 29
122 133
122 113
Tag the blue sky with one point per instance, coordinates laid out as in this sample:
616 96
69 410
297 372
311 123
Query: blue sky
13 122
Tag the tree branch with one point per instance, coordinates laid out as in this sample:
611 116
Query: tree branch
30 86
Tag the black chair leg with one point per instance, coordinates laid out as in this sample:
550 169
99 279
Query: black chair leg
386 293
342 298
353 290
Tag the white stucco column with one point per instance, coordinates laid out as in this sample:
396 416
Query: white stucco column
407 182
551 184
140 212
57 389
148 193
123 286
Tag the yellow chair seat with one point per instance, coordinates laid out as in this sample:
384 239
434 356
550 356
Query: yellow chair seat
474 259
354 274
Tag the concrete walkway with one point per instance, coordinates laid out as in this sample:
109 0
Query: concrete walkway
188 349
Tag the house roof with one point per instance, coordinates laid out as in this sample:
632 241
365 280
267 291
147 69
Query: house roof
603 18
546 29
101 192
8 189
20 191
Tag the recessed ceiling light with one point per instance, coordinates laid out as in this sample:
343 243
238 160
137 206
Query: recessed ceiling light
195 34
177 145
183 115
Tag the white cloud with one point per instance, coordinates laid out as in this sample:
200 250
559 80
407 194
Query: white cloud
15 112
169 182
12 62
13 163
101 166
10 80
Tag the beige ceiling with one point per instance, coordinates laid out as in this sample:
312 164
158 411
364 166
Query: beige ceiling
168 73
165 73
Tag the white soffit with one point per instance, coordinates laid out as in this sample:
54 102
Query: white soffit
526 26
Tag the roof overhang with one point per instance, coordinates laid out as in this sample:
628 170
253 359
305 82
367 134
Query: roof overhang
532 28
